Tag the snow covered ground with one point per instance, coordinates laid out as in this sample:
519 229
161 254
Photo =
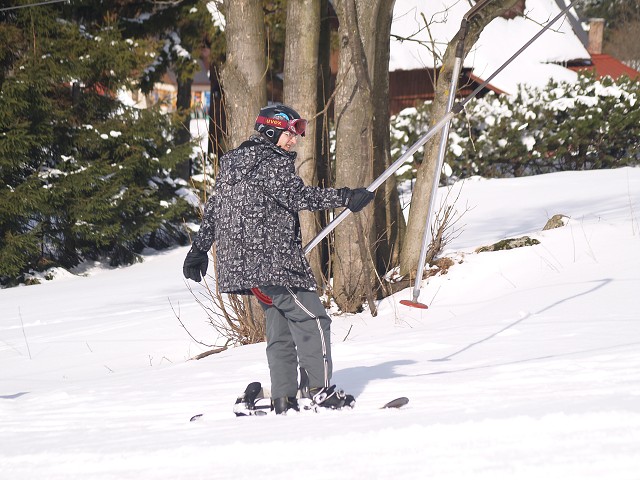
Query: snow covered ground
525 366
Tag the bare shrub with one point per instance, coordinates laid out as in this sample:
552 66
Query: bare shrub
236 318
444 229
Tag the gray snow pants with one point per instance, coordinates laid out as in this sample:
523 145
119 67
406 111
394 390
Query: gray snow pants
298 332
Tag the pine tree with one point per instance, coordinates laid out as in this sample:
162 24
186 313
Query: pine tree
82 174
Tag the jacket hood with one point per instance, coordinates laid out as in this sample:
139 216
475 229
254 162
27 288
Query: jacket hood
236 164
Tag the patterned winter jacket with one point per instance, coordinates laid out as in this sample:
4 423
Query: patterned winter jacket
252 217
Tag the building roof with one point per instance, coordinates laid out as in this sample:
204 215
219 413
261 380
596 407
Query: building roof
605 65
541 62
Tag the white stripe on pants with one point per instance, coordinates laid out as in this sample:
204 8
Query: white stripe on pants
298 329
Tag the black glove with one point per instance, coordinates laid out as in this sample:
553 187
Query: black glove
195 265
356 199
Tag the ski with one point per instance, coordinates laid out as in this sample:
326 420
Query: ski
253 403
396 403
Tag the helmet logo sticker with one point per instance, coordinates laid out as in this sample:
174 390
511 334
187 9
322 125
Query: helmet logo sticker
273 121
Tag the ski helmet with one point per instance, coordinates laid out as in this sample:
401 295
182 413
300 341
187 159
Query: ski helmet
275 119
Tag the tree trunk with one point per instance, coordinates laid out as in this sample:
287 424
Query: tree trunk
243 74
323 95
183 105
243 81
216 145
425 176
355 140
389 222
300 92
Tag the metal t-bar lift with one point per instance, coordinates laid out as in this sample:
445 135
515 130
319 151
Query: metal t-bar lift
442 124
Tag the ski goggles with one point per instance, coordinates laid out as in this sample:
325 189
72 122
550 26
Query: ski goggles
296 126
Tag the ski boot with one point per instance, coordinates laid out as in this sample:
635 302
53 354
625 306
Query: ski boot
282 404
252 401
331 397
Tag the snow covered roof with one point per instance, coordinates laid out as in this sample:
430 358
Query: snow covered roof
498 41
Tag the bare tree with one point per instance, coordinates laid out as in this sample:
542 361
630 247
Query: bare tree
389 222
243 75
362 23
426 172
300 92
244 83
622 47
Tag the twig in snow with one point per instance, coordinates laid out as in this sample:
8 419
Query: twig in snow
590 251
435 294
209 352
345 337
634 222
177 315
24 333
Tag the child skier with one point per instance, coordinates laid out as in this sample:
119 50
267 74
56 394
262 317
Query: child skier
252 217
